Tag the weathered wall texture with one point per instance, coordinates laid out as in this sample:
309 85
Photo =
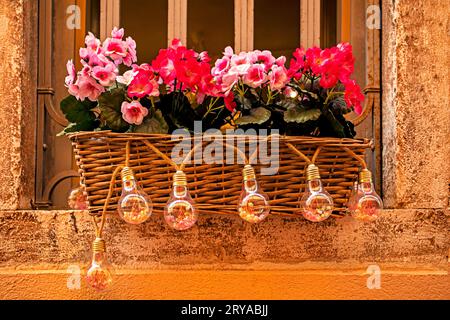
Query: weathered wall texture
222 257
416 110
18 43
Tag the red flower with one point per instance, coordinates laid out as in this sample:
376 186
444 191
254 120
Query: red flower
353 96
230 104
144 82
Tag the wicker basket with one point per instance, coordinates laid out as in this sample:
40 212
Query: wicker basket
215 188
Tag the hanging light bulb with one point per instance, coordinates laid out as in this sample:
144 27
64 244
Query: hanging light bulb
180 212
134 205
254 203
368 204
99 274
317 204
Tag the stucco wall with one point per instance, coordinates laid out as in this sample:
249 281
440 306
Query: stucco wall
223 257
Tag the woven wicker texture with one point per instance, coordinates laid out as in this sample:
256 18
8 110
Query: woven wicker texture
214 187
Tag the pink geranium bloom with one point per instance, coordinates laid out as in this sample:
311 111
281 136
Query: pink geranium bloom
131 55
280 61
92 43
133 112
117 33
127 77
71 73
221 66
278 77
241 58
115 49
255 76
265 57
228 52
106 76
88 88
228 81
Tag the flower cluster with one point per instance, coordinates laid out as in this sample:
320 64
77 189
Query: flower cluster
254 69
330 66
185 70
179 87
100 65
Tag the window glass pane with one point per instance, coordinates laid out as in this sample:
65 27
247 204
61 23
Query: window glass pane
210 25
146 22
277 26
328 23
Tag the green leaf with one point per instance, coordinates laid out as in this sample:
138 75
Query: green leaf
77 111
88 125
301 115
338 105
109 104
155 124
336 126
256 116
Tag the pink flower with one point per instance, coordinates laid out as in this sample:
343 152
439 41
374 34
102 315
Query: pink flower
265 57
127 77
71 73
87 87
278 77
241 58
116 49
92 43
131 55
255 76
290 93
220 66
106 76
117 33
228 52
228 81
280 61
133 112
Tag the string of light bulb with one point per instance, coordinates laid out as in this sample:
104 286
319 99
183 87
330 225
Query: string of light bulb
180 212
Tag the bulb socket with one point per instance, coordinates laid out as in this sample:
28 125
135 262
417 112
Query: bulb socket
312 172
248 173
365 176
127 174
98 245
179 179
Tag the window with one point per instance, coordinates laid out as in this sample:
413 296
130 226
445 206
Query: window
279 26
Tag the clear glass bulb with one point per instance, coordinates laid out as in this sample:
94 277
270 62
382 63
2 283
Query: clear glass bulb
134 205
254 203
180 212
99 275
317 204
368 204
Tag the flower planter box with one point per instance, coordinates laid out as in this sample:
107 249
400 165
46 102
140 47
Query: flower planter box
215 188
